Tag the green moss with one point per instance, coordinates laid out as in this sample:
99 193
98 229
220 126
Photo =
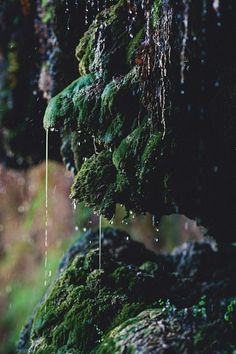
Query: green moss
115 131
95 183
150 154
134 44
60 109
90 57
84 305
230 314
48 11
85 50
87 107
199 310
130 150
155 12
149 267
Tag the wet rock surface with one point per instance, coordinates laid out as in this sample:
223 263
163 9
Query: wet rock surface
138 302
153 101
149 122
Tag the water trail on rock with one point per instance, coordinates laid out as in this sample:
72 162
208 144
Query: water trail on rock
184 40
46 211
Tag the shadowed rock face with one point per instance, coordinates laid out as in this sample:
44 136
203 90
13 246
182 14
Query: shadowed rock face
139 302
150 122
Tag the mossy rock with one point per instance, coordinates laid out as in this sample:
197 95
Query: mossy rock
60 110
133 54
96 177
138 302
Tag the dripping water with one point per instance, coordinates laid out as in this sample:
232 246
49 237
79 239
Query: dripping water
100 244
184 40
46 212
216 6
163 50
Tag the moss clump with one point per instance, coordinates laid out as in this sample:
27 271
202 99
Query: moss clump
230 314
171 327
87 107
134 45
85 303
60 110
95 183
90 55
138 301
101 112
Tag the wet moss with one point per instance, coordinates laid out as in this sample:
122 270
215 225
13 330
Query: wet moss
138 300
91 58
95 183
60 110
230 314
72 317
134 45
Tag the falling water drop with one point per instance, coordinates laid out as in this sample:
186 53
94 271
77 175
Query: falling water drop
216 6
46 211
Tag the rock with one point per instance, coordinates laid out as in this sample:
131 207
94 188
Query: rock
138 302
162 133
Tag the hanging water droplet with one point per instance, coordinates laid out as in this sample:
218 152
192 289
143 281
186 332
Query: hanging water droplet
74 204
216 6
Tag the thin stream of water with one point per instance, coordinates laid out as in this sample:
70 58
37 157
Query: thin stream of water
100 244
46 212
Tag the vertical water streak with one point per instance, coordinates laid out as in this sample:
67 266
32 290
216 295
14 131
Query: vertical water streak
184 40
163 58
216 6
100 244
46 212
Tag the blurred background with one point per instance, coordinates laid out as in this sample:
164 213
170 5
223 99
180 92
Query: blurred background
22 238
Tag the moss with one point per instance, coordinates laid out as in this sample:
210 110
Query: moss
155 12
90 57
134 44
85 50
230 314
84 305
199 310
115 131
87 107
95 183
150 154
138 300
149 267
130 150
48 11
60 109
